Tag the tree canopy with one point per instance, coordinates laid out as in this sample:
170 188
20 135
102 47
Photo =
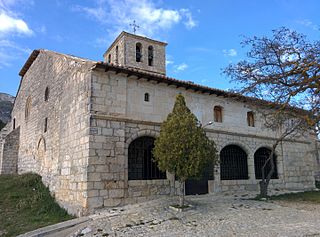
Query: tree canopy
284 69
182 147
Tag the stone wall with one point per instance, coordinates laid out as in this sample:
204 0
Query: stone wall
119 115
317 162
127 53
9 152
59 154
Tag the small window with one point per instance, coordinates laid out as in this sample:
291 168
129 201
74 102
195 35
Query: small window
150 55
217 114
14 123
250 119
45 125
117 54
27 108
138 52
146 97
109 58
46 94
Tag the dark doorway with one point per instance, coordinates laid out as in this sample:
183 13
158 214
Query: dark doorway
199 186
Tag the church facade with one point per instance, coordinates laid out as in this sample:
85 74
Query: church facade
88 129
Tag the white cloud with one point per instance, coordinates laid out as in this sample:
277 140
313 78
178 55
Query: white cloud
168 62
308 23
10 51
189 23
118 14
230 52
181 67
10 24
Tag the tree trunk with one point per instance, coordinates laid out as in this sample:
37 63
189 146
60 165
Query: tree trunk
181 197
264 183
263 189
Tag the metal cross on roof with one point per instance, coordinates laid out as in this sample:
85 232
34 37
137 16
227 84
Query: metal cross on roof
135 26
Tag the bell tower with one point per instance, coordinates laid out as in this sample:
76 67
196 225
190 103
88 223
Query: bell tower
138 52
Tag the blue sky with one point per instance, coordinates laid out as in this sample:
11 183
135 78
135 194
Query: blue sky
202 36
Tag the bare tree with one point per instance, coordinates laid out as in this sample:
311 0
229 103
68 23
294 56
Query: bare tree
283 69
286 124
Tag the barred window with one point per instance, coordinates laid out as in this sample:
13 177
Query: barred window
234 164
140 160
260 157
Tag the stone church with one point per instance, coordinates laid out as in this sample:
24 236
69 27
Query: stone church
88 129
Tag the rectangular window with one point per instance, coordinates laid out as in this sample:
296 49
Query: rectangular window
217 114
250 119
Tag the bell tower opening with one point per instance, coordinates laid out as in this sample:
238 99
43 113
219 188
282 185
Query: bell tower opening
138 52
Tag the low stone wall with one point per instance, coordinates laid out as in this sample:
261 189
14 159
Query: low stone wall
9 152
142 190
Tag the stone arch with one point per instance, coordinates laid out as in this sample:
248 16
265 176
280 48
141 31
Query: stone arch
40 152
236 143
140 133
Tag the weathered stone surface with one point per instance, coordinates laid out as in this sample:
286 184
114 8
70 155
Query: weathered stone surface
92 117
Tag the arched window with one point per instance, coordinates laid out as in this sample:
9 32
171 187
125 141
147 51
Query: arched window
146 97
250 119
46 94
234 164
138 52
109 58
117 54
41 148
260 157
27 108
217 111
140 160
150 55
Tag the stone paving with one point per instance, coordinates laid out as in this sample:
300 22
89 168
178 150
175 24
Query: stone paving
211 215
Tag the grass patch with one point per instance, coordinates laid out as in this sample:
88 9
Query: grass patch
310 196
26 204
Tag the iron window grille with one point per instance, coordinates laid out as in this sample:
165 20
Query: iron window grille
140 160
260 157
234 163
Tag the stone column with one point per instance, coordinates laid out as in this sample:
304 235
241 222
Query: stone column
217 181
251 172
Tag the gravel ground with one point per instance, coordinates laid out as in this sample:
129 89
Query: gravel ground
210 215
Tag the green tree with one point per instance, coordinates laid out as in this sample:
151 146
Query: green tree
182 147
